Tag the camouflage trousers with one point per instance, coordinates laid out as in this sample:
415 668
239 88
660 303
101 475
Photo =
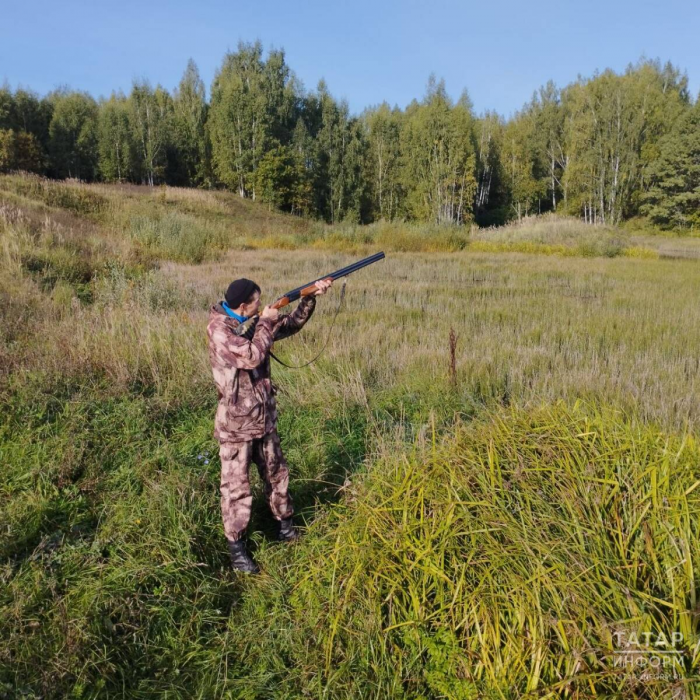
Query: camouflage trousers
236 498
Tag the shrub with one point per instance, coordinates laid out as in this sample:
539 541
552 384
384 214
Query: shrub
175 236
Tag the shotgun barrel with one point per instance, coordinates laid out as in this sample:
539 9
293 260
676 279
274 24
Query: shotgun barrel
309 288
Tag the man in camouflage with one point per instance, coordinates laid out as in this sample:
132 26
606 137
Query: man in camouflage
246 417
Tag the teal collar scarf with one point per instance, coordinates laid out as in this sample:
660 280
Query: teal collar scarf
233 314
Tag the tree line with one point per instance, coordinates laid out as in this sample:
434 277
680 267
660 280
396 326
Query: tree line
605 148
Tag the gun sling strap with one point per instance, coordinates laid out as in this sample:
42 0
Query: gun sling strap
337 311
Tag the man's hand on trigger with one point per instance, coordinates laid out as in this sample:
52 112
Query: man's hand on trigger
322 286
271 313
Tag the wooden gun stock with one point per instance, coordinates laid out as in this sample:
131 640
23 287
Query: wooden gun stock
305 292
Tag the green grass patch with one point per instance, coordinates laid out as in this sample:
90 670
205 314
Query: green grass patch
79 199
493 560
177 236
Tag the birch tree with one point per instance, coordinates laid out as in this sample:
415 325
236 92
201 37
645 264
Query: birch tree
384 153
151 119
254 109
189 132
489 169
439 157
116 147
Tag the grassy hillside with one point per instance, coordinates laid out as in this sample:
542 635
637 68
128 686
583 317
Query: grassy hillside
482 532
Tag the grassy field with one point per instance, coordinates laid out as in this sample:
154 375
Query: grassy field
488 527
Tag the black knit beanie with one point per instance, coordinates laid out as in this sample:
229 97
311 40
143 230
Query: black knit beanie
239 291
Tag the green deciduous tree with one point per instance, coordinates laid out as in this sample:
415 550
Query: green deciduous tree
613 123
384 166
673 199
439 157
73 135
20 150
150 116
189 133
549 145
339 178
253 109
282 180
116 145
523 164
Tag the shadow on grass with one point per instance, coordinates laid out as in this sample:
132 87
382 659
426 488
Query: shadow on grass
321 453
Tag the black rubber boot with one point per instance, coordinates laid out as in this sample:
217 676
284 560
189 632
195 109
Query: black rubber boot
240 559
287 531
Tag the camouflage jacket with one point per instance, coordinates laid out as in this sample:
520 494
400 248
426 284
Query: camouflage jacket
241 368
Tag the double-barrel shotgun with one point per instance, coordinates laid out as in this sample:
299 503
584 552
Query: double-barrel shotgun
248 328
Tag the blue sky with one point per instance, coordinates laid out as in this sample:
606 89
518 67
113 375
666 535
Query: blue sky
500 51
